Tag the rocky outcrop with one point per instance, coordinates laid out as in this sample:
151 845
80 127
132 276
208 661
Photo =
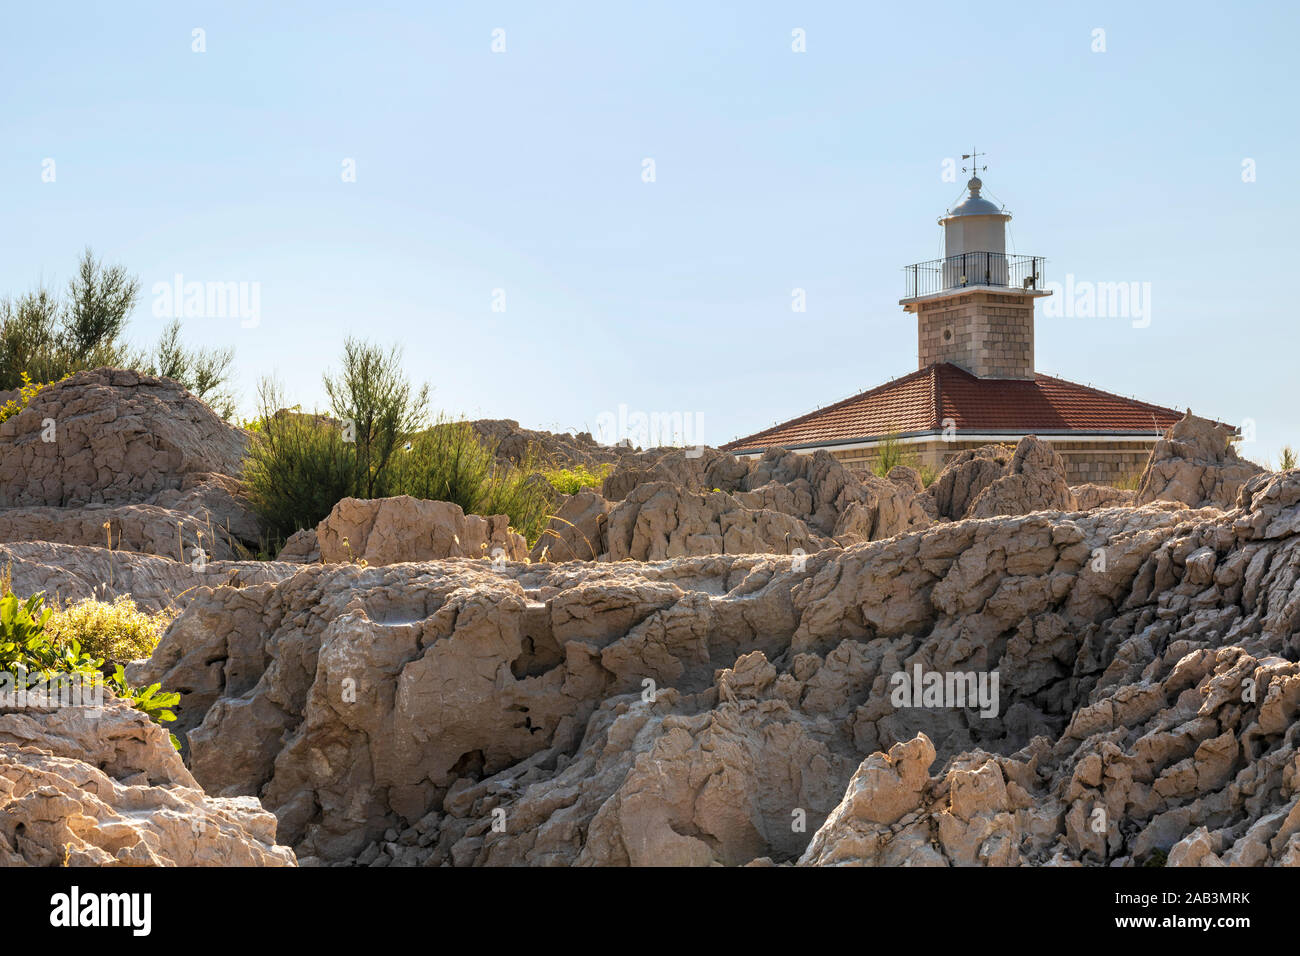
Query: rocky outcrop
303 547
147 529
907 477
70 572
380 531
694 502
1196 766
1034 481
840 504
111 436
956 487
217 502
1196 464
106 788
1090 496
774 660
114 453
576 532
659 520
998 480
734 708
690 469
515 445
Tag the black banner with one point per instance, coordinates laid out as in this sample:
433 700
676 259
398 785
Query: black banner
338 904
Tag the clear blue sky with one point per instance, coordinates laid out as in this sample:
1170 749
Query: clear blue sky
775 170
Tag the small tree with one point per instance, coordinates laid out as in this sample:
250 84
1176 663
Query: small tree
1288 458
205 372
451 462
447 462
891 455
298 466
377 404
29 338
49 337
100 300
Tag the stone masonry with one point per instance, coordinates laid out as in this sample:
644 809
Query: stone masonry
1103 464
988 334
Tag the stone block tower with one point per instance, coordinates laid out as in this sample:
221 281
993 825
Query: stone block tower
975 307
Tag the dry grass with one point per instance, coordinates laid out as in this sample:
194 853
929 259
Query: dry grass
1131 482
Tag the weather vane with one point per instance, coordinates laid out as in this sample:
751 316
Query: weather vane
975 168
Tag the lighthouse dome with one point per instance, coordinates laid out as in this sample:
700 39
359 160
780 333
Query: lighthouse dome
975 205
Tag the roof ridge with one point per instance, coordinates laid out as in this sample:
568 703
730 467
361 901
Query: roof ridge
936 397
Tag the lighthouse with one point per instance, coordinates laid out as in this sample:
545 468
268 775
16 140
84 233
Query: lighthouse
975 306
975 383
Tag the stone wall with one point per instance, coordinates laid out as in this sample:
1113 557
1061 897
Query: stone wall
1103 465
1084 461
988 334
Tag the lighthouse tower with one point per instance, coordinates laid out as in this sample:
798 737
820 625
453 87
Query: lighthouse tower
975 306
976 384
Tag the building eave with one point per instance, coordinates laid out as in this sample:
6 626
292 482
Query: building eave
968 289
982 435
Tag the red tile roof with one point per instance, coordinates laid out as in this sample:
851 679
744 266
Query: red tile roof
925 399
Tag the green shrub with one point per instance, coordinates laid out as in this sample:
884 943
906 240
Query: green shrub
33 655
48 336
891 452
300 465
524 496
374 444
379 410
297 468
26 392
1287 460
450 462
116 631
569 481
205 372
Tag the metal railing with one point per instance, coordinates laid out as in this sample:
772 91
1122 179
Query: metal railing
974 268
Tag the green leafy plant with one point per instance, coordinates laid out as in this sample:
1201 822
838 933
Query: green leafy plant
1287 459
30 652
152 700
23 641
